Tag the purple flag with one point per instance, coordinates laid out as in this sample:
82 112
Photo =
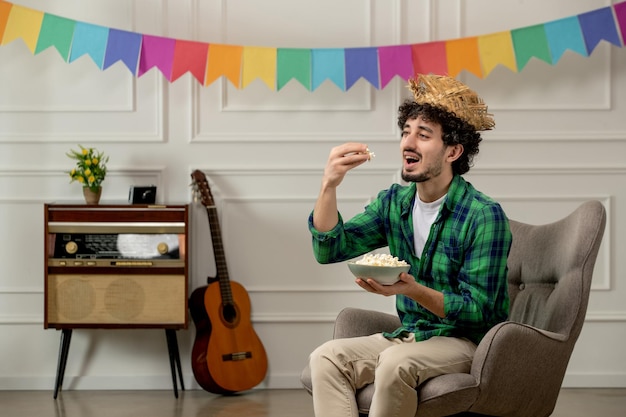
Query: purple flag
598 25
361 62
123 46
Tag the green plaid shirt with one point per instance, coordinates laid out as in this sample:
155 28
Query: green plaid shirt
464 257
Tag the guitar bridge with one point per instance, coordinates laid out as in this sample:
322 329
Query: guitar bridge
236 356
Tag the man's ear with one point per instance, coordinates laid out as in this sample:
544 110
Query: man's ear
454 152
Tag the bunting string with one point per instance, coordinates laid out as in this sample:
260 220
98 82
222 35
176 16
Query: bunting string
276 67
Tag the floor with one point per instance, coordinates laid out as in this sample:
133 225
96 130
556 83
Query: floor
256 403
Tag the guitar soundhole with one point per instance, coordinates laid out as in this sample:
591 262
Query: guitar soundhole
230 314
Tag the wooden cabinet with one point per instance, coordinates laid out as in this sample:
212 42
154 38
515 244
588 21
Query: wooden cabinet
116 266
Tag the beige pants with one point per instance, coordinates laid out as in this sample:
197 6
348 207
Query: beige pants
339 367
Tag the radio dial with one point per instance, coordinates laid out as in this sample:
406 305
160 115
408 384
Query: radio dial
163 248
71 248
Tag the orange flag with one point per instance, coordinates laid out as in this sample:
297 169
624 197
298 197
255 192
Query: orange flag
224 60
495 49
23 23
259 63
462 55
5 9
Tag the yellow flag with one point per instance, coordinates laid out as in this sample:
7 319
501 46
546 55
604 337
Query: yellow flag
23 23
259 63
495 49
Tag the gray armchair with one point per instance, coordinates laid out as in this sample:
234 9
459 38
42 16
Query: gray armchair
519 366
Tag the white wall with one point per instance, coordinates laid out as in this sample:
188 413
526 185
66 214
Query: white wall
560 140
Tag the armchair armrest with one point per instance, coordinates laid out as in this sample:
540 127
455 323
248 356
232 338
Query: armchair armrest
352 322
519 367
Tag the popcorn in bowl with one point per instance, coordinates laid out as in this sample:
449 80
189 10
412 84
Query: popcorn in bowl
380 259
383 268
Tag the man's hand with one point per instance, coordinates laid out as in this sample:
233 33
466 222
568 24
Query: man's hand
428 298
403 286
342 158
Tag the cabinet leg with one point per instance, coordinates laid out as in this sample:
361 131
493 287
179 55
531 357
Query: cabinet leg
174 354
64 348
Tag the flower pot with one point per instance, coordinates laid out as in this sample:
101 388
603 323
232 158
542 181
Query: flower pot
91 196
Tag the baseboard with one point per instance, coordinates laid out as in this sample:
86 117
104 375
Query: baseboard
580 380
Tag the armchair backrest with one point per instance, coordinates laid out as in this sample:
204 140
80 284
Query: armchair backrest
550 269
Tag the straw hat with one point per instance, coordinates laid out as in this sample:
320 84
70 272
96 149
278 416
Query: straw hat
453 96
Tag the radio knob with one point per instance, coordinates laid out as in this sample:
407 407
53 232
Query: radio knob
163 248
71 248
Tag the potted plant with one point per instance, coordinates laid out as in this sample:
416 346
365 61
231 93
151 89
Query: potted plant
90 171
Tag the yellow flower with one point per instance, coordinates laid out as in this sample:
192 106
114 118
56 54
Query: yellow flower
90 169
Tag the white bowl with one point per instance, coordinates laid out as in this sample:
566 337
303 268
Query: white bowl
385 275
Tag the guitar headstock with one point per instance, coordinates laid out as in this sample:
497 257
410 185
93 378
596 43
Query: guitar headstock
200 186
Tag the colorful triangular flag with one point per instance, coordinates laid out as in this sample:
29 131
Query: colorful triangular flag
89 40
156 51
362 63
530 42
57 32
328 64
190 57
598 25
123 46
395 60
293 63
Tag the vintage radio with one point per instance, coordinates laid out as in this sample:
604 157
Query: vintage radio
116 266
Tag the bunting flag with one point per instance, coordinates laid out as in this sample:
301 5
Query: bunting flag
57 32
123 46
311 67
530 42
190 57
293 64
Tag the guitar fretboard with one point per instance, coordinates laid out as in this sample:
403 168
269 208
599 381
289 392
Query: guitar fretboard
220 255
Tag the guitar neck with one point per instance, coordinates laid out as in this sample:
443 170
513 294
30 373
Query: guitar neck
220 255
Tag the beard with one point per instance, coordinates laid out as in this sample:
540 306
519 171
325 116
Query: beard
431 171
417 177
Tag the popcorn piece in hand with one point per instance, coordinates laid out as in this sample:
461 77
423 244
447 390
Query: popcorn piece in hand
369 153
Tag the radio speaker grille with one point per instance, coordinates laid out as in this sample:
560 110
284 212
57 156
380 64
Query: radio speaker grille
116 299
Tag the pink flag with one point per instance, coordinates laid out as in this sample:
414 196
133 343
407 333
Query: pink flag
395 60
156 52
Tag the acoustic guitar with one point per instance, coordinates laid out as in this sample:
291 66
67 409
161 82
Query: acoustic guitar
227 355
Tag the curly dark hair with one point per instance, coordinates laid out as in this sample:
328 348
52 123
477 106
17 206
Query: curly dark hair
455 130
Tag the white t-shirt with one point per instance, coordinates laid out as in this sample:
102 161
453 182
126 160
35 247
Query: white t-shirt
424 215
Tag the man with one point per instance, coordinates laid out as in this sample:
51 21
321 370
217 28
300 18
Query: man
456 239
